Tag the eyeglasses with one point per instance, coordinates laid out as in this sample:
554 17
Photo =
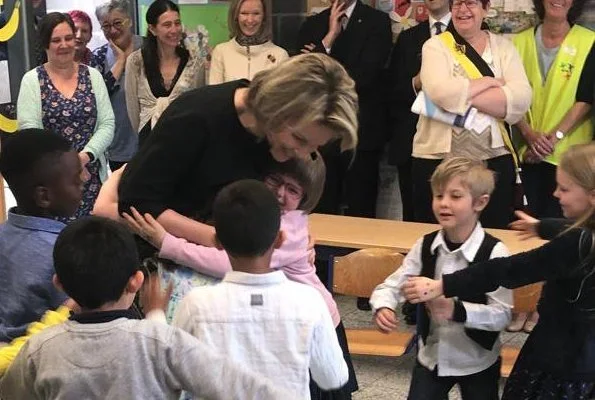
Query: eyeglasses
275 182
117 24
469 3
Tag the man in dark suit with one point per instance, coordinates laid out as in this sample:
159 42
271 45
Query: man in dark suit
404 71
360 38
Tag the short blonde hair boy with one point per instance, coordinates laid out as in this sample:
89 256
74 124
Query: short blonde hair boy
306 89
474 175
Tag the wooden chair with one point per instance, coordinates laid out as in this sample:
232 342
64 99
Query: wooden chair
357 274
525 300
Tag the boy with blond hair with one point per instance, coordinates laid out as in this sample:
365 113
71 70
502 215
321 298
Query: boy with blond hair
457 338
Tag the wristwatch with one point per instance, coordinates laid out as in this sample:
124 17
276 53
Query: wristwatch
559 135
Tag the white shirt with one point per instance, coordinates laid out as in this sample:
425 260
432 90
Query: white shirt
445 20
447 346
279 328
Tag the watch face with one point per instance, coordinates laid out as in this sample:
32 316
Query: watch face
560 135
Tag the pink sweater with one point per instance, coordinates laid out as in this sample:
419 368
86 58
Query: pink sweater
292 257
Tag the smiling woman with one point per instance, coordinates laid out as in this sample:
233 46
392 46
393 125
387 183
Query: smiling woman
250 49
161 70
51 96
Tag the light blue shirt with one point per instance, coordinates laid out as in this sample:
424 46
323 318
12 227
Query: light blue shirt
26 270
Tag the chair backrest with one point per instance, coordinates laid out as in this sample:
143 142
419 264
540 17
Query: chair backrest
358 273
527 297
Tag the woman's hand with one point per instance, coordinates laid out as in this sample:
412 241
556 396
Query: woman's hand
385 320
146 227
418 289
526 225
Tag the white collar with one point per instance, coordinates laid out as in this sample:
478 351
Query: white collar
244 278
445 21
469 248
350 9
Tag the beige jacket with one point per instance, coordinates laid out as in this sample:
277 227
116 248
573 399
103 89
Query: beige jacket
231 61
142 106
444 81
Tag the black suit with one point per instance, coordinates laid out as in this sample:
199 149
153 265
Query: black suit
405 63
363 49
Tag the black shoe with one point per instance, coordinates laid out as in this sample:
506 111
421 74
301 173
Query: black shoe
363 303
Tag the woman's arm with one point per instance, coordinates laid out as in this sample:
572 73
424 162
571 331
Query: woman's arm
131 87
106 204
217 68
574 117
104 127
491 101
29 102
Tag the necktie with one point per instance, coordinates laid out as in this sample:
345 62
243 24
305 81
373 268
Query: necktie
438 26
344 22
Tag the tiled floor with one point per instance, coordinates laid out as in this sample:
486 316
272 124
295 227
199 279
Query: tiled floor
383 377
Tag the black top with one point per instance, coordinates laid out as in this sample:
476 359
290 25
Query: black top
197 147
563 342
586 84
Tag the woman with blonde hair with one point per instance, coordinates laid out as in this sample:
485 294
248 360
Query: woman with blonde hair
250 49
218 134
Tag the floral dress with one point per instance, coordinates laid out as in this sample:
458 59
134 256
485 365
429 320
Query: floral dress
74 119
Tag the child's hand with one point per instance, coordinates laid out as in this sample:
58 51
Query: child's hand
526 225
441 309
385 320
146 227
418 289
151 295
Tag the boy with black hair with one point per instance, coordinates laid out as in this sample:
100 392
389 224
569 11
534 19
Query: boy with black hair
44 175
257 316
457 338
104 352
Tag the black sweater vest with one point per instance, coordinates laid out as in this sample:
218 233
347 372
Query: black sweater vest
485 339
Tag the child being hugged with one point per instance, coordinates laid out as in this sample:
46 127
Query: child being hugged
297 184
557 360
458 338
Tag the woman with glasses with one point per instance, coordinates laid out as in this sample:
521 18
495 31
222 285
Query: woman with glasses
71 99
250 49
466 70
110 59
161 70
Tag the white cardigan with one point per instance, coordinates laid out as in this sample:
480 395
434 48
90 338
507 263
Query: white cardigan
142 106
231 61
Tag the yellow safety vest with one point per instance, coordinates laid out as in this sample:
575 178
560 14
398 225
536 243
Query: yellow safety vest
554 98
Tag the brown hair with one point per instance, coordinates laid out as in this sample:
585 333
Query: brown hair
234 12
310 174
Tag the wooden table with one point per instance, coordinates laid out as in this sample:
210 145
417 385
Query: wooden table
359 233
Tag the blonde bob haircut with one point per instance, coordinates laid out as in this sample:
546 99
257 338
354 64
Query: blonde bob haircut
306 89
474 175
578 162
233 14
309 172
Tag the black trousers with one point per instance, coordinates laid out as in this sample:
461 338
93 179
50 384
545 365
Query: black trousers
344 393
427 385
499 211
115 165
539 182
406 189
361 184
